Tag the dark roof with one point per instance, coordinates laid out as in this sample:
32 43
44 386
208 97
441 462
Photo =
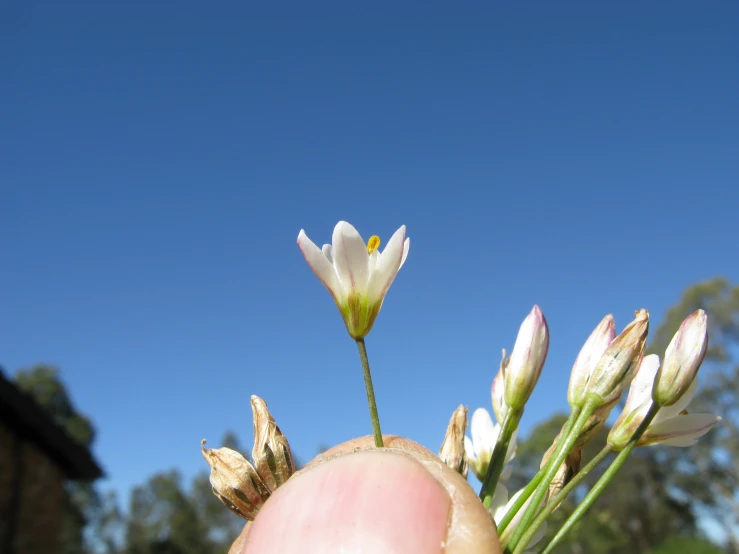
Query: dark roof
24 416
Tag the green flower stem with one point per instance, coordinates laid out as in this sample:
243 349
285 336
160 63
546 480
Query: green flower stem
531 487
370 393
568 441
561 495
495 467
603 481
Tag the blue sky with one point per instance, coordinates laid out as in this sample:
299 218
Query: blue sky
158 163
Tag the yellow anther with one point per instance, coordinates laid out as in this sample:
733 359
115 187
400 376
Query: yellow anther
373 244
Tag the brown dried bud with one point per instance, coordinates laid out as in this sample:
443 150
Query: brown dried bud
235 481
618 365
567 470
452 449
271 453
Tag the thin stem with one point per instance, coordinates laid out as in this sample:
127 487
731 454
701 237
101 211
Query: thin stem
568 441
562 494
495 468
531 487
370 393
603 481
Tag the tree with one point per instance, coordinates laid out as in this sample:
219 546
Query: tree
165 517
162 518
82 502
708 471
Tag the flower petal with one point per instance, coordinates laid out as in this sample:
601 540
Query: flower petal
640 391
484 434
406 247
387 267
680 442
540 532
499 502
678 430
512 446
328 252
350 258
319 264
668 412
373 257
469 450
517 518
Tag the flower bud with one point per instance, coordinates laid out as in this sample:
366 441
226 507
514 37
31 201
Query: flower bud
235 481
619 363
527 359
497 391
452 449
588 358
638 402
271 453
683 358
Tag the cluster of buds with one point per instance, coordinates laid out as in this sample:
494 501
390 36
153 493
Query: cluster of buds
358 276
603 382
242 486
670 386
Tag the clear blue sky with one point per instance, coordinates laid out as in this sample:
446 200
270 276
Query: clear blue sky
159 161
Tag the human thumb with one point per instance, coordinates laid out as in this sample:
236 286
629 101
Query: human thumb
358 498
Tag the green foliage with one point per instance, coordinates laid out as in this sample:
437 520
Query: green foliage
81 500
693 545
43 383
707 473
166 517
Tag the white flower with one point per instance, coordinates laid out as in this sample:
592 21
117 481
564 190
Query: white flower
356 274
479 450
672 426
499 507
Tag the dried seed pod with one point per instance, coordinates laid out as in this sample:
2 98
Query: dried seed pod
235 481
271 453
452 449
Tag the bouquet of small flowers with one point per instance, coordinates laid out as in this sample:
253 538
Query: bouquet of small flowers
358 276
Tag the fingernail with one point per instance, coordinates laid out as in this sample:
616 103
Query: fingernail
369 502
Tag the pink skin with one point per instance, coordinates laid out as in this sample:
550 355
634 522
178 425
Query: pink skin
369 502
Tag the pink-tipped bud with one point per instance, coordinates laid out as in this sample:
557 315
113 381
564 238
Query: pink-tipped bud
527 359
619 363
683 358
588 358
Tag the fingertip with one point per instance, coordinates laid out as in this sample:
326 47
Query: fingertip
372 501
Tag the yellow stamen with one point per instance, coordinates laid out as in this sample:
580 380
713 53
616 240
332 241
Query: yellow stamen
373 244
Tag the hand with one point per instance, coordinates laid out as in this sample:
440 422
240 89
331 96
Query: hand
360 499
